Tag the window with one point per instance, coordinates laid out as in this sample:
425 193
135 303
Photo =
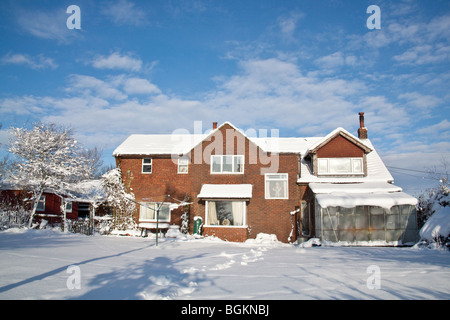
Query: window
340 166
41 204
225 213
147 165
276 186
148 212
183 165
68 207
227 164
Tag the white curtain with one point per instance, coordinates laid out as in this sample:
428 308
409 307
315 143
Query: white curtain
145 213
238 212
212 214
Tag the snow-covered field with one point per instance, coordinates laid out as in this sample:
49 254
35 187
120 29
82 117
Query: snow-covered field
47 264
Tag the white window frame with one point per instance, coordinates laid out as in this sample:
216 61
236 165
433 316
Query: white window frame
147 164
153 205
284 180
321 162
233 162
183 163
69 206
244 218
41 201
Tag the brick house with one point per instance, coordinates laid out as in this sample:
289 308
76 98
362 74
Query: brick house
335 188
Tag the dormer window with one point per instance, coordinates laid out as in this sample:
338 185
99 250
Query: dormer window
340 166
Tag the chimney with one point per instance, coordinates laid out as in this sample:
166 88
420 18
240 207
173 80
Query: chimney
214 125
362 131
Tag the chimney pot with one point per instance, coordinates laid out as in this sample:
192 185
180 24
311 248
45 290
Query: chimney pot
214 125
361 119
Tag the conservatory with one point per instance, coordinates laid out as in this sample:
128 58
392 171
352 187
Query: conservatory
364 213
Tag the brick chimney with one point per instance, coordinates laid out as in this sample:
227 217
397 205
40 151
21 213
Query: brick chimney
362 131
214 125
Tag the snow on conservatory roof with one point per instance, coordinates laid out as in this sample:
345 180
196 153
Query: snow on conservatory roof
376 194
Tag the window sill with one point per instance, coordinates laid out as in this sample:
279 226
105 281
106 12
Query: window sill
221 226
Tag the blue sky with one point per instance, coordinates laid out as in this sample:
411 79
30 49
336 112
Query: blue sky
303 67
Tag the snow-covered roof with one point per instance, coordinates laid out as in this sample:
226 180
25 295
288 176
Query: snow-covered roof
226 191
379 194
351 200
365 187
376 171
150 144
176 144
286 145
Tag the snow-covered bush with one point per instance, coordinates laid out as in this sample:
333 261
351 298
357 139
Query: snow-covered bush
121 201
434 211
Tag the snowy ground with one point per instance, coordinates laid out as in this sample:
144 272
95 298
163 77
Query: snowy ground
35 264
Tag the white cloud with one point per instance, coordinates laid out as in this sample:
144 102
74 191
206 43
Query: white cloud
91 86
47 24
288 24
439 129
337 59
124 12
117 61
26 105
140 86
39 62
424 54
421 101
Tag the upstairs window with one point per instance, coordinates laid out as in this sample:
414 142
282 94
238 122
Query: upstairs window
183 165
276 185
147 165
227 164
340 166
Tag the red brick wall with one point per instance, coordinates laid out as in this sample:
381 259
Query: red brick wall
267 216
340 147
152 187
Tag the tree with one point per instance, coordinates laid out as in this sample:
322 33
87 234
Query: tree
433 201
47 158
120 199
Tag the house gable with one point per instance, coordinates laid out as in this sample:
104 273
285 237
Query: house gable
339 132
340 147
339 144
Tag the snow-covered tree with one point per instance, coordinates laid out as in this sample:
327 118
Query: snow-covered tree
120 199
47 158
436 201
